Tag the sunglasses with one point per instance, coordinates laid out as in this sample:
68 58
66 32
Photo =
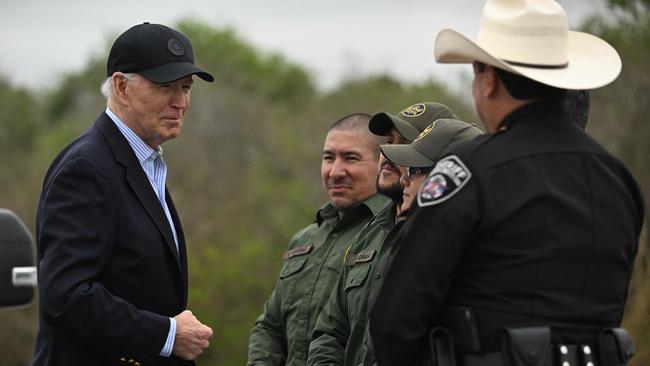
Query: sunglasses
412 171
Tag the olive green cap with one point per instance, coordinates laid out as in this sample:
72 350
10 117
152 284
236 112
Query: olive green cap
432 144
410 121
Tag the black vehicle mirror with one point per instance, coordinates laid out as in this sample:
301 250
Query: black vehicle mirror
17 270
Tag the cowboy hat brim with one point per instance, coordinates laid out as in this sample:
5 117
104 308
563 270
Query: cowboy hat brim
592 62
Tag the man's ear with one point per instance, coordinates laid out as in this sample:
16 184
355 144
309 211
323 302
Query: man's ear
119 85
491 82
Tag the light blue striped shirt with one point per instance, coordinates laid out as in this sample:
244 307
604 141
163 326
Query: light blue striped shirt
154 166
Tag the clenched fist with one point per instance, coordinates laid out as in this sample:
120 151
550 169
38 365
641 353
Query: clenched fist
192 336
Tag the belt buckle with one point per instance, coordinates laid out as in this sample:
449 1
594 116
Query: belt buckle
572 355
567 355
587 355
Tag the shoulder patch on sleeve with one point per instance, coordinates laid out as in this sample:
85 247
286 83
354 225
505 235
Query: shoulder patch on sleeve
446 179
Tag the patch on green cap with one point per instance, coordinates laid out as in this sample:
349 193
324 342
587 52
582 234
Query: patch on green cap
414 110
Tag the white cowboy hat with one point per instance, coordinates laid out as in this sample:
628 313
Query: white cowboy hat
531 38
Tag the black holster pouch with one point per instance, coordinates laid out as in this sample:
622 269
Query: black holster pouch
527 346
442 347
615 347
461 323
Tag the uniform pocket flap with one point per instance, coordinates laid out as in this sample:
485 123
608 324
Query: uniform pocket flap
292 266
356 276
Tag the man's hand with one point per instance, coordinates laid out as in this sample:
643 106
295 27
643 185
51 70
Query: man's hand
192 336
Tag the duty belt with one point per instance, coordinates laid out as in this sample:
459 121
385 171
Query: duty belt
458 344
544 355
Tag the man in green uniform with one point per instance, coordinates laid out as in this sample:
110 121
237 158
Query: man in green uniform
312 263
341 335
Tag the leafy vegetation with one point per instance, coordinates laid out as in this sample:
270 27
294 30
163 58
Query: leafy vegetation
620 121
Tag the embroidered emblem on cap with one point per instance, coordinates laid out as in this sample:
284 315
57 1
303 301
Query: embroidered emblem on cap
414 110
175 46
426 131
446 179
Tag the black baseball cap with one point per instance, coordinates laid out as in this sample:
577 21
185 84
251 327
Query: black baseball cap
411 120
156 52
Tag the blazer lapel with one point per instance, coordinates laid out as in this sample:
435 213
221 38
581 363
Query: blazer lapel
139 182
182 249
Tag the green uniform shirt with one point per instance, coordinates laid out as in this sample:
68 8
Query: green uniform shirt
341 334
312 264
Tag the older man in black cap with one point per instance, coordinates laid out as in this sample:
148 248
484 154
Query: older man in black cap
112 264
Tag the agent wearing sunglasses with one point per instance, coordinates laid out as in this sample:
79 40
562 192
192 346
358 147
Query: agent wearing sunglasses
411 181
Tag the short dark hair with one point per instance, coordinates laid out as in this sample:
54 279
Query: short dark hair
359 122
576 103
523 88
351 121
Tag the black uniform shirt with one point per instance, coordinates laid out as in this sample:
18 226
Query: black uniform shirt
534 225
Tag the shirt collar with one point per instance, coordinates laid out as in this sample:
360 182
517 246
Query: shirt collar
548 109
142 151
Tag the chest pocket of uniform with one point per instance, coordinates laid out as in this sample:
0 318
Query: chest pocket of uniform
357 276
292 266
361 263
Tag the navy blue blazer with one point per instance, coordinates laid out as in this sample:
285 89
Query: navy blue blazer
109 273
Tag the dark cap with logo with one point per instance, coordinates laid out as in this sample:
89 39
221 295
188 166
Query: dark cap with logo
410 121
432 144
158 53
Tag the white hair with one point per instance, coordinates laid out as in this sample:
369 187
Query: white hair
107 86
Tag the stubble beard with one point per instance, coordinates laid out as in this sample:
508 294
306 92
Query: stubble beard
392 191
